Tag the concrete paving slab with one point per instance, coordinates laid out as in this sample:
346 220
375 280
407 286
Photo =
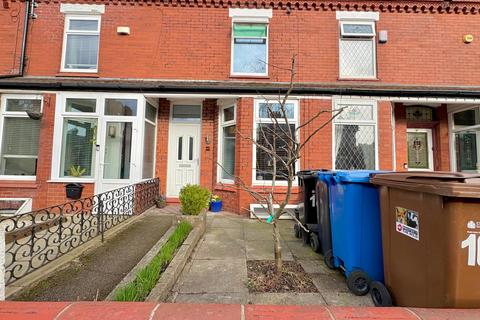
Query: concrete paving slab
215 276
211 298
221 234
299 299
315 266
227 222
214 249
336 298
263 250
301 251
329 282
257 234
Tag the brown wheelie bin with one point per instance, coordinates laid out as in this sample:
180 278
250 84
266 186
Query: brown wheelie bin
431 238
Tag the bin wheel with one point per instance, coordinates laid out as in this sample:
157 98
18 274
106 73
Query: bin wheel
297 231
380 295
329 260
358 282
305 237
314 242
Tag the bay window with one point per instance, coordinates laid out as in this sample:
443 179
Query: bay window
355 132
267 132
19 136
227 144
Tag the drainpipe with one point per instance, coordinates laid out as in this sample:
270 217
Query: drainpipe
24 42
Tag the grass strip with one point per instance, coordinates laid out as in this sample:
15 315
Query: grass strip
146 279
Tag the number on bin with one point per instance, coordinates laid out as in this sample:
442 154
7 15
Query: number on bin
473 245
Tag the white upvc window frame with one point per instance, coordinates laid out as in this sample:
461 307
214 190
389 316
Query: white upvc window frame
66 32
155 124
256 121
222 124
336 102
249 16
15 114
452 131
362 18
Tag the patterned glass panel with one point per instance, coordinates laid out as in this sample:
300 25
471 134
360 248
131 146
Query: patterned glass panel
355 112
419 114
355 147
357 58
417 148
467 150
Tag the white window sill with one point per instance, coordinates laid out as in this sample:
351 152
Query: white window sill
18 178
79 70
249 75
268 183
72 180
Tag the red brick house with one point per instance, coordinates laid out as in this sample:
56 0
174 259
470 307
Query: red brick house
129 90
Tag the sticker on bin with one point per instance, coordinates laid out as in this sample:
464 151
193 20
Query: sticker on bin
472 243
407 222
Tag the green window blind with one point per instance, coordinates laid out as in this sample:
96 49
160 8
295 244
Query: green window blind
250 30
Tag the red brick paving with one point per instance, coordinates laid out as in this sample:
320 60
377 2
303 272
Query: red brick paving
154 311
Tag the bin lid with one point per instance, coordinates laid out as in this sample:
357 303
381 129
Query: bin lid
356 176
450 184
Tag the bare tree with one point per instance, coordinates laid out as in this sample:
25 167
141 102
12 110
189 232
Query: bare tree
279 144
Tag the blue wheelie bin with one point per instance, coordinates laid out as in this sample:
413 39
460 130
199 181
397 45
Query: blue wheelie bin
356 229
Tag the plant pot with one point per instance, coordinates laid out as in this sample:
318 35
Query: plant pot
74 190
216 206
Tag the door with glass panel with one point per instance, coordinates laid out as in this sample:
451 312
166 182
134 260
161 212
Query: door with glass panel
183 148
117 147
419 149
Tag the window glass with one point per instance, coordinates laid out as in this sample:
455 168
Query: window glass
190 148
179 150
228 154
120 107
80 105
466 118
81 47
23 105
81 52
357 28
19 146
186 112
118 149
268 133
150 112
357 58
250 48
267 110
78 147
354 147
148 150
355 112
229 114
83 25
467 149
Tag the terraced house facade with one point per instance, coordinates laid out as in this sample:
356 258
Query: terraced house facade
107 93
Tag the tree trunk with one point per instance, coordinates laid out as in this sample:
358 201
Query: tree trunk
277 247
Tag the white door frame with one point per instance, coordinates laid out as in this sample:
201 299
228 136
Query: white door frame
430 147
178 123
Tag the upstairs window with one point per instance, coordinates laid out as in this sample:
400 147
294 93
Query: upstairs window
19 136
250 49
80 43
357 50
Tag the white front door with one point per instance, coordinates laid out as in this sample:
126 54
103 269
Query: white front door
420 149
117 150
183 156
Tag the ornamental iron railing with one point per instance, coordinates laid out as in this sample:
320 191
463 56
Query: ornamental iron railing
36 238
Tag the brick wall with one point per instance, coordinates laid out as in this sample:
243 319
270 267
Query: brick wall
11 35
161 158
169 42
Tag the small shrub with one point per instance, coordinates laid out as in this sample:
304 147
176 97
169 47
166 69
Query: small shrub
194 199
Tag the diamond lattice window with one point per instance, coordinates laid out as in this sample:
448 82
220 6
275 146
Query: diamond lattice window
357 50
355 137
